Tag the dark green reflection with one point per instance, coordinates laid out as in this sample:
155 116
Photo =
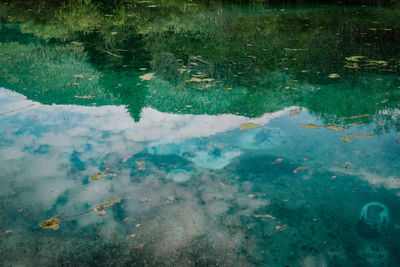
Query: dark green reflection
206 58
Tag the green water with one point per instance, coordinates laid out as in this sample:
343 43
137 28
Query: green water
229 135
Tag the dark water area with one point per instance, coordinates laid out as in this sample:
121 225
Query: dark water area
179 133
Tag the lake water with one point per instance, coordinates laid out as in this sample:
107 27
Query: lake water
182 134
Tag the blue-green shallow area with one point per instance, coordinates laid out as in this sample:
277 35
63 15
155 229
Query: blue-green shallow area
192 134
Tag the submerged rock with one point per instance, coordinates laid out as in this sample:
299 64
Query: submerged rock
374 216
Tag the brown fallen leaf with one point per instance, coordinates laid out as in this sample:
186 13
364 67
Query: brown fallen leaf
147 77
300 169
102 213
170 199
8 231
140 246
144 200
346 139
140 164
223 184
252 195
277 161
280 227
333 75
264 216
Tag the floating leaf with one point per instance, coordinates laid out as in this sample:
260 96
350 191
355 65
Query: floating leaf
277 161
335 128
310 126
377 62
107 203
144 200
280 227
352 66
355 58
52 223
198 80
354 117
223 184
265 216
147 77
170 199
346 139
248 126
140 164
98 175
95 177
300 169
333 75
102 213
8 231
252 196
140 246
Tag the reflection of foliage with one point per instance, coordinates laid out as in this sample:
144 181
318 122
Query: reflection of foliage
210 59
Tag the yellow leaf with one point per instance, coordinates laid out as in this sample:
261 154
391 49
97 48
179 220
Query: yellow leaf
248 126
147 77
333 75
277 161
265 216
355 58
335 128
345 139
310 125
52 223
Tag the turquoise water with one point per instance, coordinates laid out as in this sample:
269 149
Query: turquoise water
175 134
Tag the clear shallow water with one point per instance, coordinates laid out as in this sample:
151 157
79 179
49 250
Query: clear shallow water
217 145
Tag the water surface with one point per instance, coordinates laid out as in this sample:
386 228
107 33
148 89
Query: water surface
181 134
